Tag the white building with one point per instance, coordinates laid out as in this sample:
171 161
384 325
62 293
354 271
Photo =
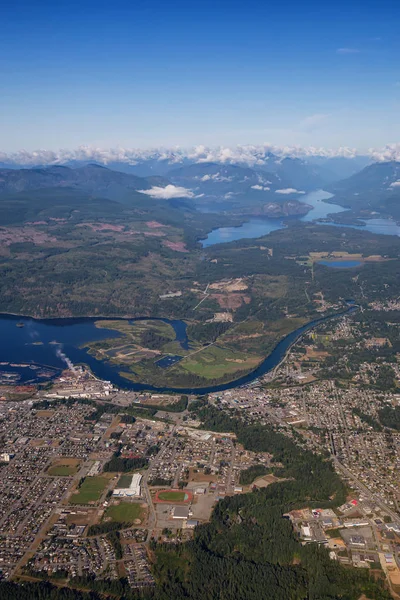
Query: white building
5 457
94 469
305 532
133 491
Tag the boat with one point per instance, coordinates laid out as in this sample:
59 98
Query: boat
20 324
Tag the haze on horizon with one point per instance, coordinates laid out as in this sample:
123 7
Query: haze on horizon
164 74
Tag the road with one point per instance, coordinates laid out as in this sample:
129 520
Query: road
152 520
367 493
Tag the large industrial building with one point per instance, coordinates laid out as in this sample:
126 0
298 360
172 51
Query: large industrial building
133 491
180 512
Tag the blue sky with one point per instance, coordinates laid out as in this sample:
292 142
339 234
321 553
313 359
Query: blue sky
148 73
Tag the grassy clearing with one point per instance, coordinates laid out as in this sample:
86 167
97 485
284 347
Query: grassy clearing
170 496
215 362
136 328
333 533
125 512
64 467
133 342
62 471
90 491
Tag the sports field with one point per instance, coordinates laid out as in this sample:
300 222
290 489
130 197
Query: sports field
173 496
124 481
63 467
125 512
90 490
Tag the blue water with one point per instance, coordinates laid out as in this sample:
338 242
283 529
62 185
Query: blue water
258 227
320 208
180 332
340 264
44 342
381 226
253 228
71 334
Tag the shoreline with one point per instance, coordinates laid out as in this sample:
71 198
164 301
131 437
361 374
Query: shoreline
19 317
268 364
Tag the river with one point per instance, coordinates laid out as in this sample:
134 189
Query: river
40 349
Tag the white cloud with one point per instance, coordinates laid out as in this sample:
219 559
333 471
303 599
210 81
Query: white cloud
391 152
260 187
216 177
347 51
395 184
249 155
289 191
168 192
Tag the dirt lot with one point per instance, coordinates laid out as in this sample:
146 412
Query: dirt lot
202 506
36 443
201 478
231 300
318 354
264 481
159 399
236 285
177 246
45 413
83 517
155 224
102 226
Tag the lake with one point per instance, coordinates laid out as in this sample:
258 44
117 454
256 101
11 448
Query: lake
253 228
40 349
340 264
320 209
381 226
257 227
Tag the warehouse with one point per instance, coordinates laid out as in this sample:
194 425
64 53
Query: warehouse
133 491
180 512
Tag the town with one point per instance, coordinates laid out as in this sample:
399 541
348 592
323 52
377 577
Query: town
92 475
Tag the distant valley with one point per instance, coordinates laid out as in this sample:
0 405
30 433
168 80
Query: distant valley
87 240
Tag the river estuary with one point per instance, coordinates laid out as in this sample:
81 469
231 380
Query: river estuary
37 350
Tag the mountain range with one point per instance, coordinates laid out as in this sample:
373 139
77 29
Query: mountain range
94 179
275 187
375 189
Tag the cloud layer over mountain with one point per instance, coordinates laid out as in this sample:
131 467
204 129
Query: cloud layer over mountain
251 155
